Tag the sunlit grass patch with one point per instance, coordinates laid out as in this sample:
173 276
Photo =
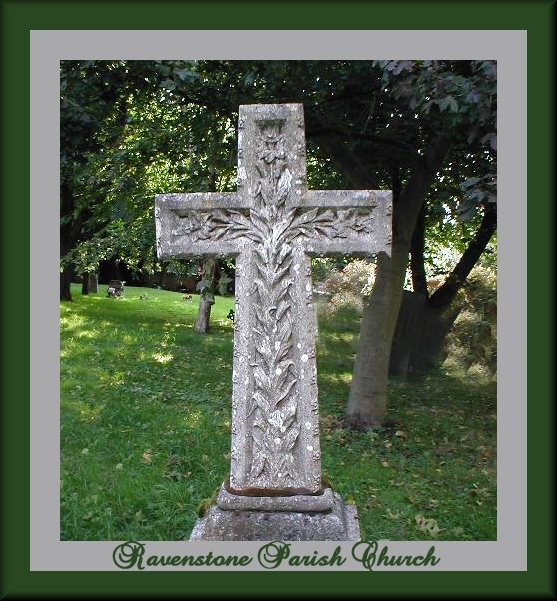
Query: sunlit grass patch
145 428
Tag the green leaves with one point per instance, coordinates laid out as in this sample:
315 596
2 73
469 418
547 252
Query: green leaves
463 92
448 102
186 75
477 191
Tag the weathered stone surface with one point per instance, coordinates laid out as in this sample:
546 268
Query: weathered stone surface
272 225
340 522
322 501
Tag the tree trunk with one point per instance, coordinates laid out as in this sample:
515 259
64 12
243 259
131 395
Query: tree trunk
66 277
69 235
202 323
206 297
367 401
89 283
407 328
66 241
424 322
444 295
417 262
419 335
93 283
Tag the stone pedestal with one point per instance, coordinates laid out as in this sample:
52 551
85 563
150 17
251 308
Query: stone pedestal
318 517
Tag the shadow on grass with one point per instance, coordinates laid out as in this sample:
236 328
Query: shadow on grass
145 414
145 428
430 472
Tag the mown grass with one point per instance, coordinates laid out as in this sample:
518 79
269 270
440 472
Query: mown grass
145 428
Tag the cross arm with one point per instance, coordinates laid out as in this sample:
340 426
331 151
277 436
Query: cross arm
346 222
197 224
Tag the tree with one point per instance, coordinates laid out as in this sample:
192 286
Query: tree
394 124
93 114
429 311
213 279
459 100
140 140
403 125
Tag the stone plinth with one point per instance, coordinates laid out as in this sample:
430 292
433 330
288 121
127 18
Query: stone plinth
318 517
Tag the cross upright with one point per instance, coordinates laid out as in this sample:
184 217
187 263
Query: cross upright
273 225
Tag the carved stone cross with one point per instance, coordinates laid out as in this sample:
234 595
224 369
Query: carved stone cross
272 225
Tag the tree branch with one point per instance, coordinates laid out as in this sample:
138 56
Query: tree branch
319 132
445 294
419 282
413 196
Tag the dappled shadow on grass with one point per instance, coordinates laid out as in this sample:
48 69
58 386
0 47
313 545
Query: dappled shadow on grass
336 348
145 415
155 332
156 306
430 473
145 429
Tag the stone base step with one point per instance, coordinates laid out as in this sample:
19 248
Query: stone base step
337 523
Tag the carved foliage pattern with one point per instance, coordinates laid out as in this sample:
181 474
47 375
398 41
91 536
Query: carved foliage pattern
273 405
273 227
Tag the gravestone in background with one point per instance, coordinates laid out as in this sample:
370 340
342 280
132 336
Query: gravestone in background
93 283
272 225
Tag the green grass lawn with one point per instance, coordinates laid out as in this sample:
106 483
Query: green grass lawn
145 428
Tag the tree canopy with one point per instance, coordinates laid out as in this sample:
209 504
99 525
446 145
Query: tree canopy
425 129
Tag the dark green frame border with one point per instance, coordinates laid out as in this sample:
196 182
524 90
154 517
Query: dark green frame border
18 18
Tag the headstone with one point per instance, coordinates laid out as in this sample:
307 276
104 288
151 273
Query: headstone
272 225
93 283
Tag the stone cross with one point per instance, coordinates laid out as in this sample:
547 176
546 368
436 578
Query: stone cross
273 225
